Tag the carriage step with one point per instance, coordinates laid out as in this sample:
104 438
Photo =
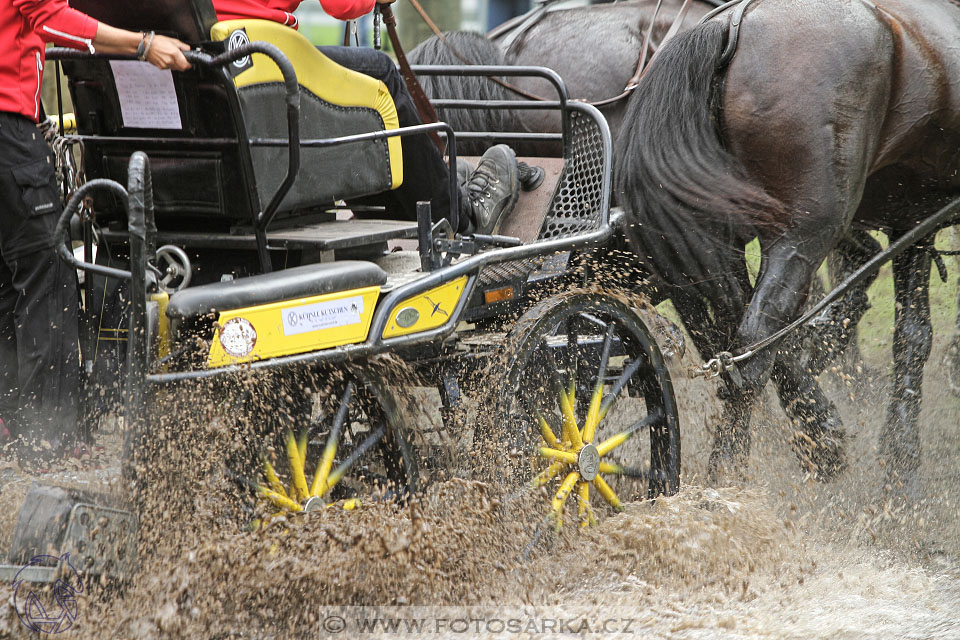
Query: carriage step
59 529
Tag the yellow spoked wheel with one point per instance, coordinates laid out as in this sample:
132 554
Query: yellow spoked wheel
350 446
589 398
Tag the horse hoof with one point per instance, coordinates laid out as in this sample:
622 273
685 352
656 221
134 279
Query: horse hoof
824 457
726 468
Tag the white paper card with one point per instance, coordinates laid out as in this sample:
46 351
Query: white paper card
148 99
322 315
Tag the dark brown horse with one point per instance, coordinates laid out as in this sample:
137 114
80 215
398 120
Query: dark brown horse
595 49
825 117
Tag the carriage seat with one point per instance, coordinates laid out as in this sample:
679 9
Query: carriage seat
334 101
296 282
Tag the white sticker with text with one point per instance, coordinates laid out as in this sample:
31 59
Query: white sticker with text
322 315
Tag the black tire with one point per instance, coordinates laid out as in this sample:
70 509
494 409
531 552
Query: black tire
536 359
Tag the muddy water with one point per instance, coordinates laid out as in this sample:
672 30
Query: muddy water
781 557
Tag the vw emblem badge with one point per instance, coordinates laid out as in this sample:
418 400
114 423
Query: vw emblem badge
236 40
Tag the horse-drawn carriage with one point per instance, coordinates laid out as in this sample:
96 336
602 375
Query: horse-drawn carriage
224 243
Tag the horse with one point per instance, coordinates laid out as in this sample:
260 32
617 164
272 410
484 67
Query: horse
615 33
794 122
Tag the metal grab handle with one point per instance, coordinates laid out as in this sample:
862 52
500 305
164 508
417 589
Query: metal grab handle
62 233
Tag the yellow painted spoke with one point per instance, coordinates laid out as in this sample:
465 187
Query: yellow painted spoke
296 467
281 501
302 448
565 488
593 414
546 431
272 478
571 432
583 505
609 467
321 476
548 474
562 456
613 442
351 504
607 493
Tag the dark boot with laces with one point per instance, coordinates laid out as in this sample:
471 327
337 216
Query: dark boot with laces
493 189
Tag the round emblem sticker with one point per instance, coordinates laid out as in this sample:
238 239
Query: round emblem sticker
238 337
238 39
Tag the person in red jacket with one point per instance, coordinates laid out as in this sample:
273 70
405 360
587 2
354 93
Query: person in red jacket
39 368
487 195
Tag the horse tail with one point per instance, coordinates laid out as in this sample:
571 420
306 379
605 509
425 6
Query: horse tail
473 48
691 205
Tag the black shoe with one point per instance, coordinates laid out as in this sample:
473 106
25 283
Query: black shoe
493 189
464 171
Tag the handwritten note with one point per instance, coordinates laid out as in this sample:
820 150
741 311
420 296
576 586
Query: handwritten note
148 99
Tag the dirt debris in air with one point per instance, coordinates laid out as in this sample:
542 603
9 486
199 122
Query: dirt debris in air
782 558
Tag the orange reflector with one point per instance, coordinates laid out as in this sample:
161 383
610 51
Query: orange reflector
498 295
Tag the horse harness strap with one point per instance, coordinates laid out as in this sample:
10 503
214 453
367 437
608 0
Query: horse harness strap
424 107
733 37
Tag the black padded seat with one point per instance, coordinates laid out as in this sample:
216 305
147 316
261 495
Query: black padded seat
296 282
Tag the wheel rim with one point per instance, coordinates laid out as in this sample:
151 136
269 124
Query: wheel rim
589 398
352 449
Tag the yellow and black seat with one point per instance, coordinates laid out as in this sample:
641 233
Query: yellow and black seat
334 101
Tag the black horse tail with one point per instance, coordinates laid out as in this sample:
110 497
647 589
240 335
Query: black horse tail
691 205
473 48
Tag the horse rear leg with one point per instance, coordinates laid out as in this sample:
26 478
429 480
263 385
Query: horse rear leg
819 438
912 340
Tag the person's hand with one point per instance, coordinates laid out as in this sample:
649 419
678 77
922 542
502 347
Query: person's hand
167 53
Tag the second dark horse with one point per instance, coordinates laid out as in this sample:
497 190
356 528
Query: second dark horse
825 117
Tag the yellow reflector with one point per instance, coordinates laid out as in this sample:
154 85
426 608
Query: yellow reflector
425 311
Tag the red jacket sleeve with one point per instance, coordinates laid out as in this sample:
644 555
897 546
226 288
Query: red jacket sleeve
55 22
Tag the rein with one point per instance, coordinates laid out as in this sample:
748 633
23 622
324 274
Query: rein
525 22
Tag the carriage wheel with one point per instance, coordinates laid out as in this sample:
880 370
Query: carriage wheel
347 444
589 406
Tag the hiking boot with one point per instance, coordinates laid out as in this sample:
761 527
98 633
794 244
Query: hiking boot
464 170
493 189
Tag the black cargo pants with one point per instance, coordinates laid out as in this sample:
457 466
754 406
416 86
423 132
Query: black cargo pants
39 351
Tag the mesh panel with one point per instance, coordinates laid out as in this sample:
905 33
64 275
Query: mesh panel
576 207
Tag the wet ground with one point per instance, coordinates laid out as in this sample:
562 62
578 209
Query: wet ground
782 557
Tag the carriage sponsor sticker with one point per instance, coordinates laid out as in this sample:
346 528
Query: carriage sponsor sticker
322 315
238 337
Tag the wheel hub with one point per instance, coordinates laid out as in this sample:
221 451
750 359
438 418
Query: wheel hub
588 461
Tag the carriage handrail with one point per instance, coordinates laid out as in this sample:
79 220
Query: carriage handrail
62 232
545 73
